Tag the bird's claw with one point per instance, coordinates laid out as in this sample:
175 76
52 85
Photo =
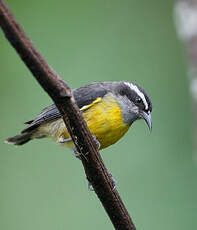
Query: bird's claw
76 153
90 188
114 183
97 142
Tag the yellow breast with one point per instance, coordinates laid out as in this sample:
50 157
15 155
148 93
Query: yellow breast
104 120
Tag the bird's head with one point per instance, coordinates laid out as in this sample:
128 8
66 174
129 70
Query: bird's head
135 103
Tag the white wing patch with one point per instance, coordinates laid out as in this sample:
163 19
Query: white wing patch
139 93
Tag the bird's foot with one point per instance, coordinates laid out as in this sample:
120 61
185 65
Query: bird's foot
97 142
90 188
114 183
76 153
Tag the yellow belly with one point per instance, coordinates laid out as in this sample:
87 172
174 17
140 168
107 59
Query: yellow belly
105 122
103 119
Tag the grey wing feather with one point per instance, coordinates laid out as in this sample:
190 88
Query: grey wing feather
50 113
83 96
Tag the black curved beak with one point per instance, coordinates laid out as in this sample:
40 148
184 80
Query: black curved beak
147 117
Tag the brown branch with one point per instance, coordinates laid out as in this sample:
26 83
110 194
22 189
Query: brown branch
59 91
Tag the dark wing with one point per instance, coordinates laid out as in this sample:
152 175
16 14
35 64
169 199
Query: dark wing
83 96
87 94
48 114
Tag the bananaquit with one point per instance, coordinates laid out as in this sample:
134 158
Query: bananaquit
109 109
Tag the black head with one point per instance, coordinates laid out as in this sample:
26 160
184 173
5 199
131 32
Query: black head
141 105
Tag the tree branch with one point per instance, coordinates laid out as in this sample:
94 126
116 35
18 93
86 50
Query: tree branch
59 91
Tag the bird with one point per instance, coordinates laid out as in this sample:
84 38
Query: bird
109 109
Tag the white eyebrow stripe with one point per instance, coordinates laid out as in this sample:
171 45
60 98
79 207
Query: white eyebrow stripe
139 93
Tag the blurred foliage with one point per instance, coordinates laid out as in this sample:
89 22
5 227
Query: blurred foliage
42 185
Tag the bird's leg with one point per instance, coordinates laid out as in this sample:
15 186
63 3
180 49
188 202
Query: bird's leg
74 151
63 140
77 154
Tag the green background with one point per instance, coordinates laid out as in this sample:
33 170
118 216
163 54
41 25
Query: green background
42 186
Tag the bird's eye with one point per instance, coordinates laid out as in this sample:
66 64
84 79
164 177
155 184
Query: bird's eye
138 100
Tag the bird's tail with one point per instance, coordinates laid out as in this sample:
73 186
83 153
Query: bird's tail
20 139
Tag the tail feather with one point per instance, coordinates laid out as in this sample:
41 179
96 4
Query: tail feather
19 139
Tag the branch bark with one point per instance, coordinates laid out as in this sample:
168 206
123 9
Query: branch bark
61 94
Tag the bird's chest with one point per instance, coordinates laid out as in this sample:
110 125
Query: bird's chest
105 122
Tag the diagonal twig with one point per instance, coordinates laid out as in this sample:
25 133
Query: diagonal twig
60 93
